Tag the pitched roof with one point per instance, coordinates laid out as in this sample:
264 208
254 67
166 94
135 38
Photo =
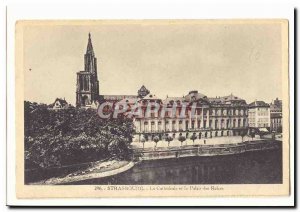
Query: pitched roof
151 97
128 101
117 97
174 99
275 107
226 99
230 98
143 88
258 104
194 95
63 102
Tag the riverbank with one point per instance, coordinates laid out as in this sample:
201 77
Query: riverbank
158 153
98 170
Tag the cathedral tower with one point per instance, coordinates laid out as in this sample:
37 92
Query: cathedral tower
87 88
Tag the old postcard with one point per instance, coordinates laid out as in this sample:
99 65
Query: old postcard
152 108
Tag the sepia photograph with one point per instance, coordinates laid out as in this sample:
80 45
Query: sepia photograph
152 108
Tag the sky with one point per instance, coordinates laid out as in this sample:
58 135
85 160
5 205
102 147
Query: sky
169 58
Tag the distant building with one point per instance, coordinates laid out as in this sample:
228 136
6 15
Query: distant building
143 91
59 104
276 115
259 116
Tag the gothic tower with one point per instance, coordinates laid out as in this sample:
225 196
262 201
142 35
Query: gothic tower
87 88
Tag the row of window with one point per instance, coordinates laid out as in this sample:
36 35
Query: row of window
263 113
198 112
263 120
276 120
263 125
194 125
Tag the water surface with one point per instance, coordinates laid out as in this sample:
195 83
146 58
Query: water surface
260 167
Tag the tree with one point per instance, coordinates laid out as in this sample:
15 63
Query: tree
243 134
169 139
193 137
156 140
252 134
181 139
143 140
70 136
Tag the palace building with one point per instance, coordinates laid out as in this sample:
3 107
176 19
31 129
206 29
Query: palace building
204 117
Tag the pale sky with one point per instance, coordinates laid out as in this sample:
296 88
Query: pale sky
169 59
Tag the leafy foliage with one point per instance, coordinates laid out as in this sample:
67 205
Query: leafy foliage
64 137
181 139
193 137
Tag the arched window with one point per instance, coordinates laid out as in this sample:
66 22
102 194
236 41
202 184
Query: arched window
81 82
186 124
222 123
236 112
204 124
193 124
146 126
216 124
159 126
167 126
180 125
86 83
152 126
227 123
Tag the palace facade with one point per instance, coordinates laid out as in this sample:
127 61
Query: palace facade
204 117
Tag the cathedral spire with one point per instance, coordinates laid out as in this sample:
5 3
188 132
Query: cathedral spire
89 49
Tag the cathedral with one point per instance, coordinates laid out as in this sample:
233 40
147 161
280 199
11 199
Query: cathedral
87 87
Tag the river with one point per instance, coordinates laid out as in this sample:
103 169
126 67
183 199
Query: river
259 167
